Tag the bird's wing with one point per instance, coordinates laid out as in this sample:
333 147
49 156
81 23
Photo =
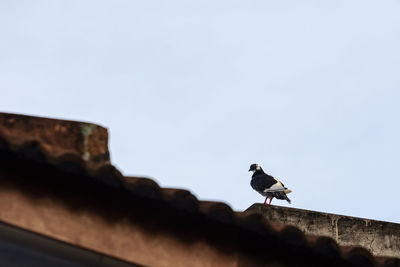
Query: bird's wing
275 187
262 182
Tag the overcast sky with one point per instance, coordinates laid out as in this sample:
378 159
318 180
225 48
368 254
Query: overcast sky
193 93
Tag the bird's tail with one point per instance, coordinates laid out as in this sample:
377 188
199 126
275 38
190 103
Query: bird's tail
282 195
287 199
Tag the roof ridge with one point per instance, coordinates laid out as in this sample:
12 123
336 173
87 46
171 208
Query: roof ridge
82 148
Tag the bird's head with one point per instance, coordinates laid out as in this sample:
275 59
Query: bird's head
254 167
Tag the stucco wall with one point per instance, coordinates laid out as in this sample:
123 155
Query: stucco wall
381 238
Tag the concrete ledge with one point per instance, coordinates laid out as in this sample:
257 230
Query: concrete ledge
381 238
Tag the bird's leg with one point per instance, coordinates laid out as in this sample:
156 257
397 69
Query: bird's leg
270 200
265 202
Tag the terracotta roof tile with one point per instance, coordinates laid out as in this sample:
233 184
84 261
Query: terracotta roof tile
358 256
388 262
217 211
326 246
143 187
293 236
254 222
83 148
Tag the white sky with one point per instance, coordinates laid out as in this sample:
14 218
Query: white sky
193 93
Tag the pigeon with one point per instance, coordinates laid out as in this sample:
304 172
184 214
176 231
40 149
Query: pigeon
267 186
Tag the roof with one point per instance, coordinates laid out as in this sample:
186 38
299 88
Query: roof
81 149
380 237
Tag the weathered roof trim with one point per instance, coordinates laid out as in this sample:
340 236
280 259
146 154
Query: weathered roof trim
82 148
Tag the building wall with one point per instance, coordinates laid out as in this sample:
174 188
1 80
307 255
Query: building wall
381 238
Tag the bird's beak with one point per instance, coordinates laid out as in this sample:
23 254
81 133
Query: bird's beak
249 170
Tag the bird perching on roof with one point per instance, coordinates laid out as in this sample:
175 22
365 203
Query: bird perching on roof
267 186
